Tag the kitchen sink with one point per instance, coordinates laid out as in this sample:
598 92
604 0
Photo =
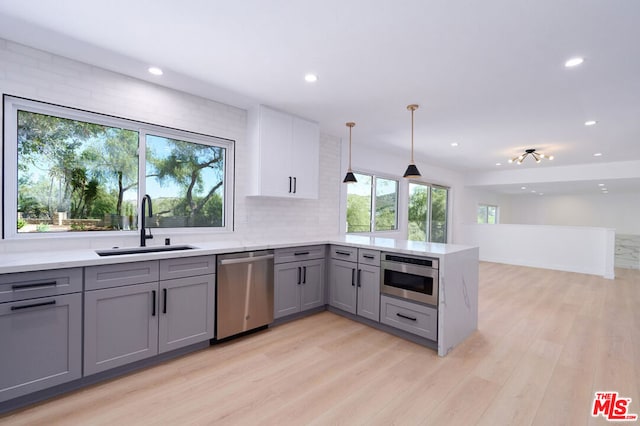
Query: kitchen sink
116 251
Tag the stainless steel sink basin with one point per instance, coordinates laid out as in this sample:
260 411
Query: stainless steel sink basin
137 250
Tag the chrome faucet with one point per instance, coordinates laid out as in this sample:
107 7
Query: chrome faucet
146 201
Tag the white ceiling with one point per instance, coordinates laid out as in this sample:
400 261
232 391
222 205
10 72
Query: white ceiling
488 75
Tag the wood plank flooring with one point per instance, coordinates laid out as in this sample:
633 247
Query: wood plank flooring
547 340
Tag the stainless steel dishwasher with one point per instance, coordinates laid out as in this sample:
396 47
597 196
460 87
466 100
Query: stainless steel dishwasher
244 292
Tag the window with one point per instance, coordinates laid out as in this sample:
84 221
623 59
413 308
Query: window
68 170
428 206
366 211
487 214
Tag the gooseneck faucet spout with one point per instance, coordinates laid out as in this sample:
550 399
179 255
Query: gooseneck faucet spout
146 201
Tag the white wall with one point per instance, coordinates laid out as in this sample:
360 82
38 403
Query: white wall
566 248
38 75
620 211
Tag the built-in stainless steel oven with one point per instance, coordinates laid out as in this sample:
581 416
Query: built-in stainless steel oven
410 277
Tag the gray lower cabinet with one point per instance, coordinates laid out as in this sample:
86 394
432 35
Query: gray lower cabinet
186 311
299 285
131 322
354 284
409 316
120 326
40 337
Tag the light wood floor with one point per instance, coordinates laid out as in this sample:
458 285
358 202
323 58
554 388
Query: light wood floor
546 342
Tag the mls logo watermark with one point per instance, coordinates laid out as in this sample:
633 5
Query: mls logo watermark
612 407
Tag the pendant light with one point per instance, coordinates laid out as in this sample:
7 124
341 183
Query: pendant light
412 170
350 177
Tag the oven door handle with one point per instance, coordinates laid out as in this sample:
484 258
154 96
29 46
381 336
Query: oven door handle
406 268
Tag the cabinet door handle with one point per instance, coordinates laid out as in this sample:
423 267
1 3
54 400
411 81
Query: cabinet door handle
406 317
33 305
289 184
164 304
304 276
359 271
353 277
368 256
295 184
344 253
33 286
300 253
299 275
153 303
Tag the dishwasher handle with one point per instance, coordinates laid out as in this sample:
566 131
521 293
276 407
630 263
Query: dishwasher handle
245 259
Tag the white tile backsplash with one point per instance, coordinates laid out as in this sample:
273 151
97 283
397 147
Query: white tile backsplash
43 76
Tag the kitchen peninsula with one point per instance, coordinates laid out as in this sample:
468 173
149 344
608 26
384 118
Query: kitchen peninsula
456 305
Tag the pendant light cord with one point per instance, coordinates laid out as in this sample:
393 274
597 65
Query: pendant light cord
412 110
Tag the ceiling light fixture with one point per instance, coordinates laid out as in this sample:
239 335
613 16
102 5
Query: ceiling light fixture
590 123
350 177
155 71
601 184
454 144
412 170
498 164
574 62
537 156
597 154
310 78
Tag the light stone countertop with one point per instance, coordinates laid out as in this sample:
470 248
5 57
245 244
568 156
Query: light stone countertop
52 259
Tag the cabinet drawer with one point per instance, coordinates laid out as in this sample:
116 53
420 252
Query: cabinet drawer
408 316
182 267
28 285
116 275
297 254
369 257
344 253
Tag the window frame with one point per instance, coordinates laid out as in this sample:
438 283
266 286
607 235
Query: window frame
486 208
429 218
9 157
372 216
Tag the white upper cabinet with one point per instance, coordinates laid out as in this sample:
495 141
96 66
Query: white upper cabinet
285 152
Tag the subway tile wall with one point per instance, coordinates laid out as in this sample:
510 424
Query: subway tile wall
43 76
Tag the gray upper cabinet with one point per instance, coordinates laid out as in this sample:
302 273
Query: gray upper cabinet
120 326
41 337
186 311
354 281
299 280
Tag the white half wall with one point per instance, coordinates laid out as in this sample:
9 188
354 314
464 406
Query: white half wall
585 250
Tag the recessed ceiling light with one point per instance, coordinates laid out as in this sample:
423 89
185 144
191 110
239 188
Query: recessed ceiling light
601 184
523 187
573 62
590 123
155 71
533 190
605 192
310 78
597 154
454 144
540 193
498 164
